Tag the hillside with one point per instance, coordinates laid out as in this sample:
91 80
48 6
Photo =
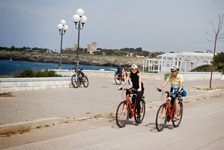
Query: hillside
85 59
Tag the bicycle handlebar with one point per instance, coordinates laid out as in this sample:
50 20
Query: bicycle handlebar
125 89
168 92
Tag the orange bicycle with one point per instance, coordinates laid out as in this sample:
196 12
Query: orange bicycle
126 110
165 112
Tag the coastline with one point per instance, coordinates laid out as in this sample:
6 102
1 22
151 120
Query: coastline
93 60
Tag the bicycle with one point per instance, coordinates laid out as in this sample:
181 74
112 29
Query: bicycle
118 79
79 78
126 110
165 112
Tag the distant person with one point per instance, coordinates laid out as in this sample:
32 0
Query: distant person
119 71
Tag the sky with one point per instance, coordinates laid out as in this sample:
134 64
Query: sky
153 25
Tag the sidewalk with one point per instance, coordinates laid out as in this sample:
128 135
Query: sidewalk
45 107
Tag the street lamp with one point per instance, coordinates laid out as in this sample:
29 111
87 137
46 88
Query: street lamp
62 27
79 20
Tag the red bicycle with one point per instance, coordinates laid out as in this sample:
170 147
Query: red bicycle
126 110
166 112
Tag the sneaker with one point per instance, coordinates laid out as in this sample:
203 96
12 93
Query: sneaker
139 118
175 118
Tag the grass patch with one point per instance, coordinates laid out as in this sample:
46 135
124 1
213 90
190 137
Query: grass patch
208 89
12 132
9 94
6 76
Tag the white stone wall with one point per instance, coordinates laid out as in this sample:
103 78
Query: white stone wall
22 84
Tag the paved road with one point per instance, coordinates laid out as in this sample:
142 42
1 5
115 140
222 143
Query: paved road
201 129
100 98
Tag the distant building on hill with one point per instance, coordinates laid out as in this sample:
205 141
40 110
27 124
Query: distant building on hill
74 48
91 48
185 60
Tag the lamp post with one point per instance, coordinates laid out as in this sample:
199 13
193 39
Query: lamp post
62 27
79 20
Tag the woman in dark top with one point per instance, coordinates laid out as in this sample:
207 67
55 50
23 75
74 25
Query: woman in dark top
137 84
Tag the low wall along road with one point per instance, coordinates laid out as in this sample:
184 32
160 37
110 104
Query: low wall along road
21 84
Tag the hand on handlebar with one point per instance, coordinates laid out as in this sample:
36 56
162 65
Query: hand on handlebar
139 89
159 89
120 88
179 91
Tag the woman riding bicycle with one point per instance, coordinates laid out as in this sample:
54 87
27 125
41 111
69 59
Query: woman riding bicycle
137 84
176 80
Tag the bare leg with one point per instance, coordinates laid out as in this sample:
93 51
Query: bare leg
177 109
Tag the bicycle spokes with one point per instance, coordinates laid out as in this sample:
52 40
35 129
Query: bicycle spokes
122 114
177 122
161 118
123 110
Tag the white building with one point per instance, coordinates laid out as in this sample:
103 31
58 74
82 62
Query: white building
185 60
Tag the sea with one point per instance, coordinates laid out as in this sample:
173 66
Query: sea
10 67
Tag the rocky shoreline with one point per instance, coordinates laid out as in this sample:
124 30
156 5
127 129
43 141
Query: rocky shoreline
48 58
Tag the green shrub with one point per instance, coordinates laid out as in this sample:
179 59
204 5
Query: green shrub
26 73
40 73
207 68
203 68
221 67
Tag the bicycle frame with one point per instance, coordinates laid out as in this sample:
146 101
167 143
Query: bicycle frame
170 112
129 103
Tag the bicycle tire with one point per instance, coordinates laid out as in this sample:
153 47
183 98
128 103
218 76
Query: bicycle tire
161 119
142 112
177 122
122 114
117 79
75 81
85 81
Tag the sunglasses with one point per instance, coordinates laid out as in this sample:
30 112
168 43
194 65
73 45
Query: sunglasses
133 69
173 71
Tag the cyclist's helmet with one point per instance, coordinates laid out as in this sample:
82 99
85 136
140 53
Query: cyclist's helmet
134 66
174 68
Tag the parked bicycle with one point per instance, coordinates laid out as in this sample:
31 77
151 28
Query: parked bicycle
119 78
79 78
127 109
166 112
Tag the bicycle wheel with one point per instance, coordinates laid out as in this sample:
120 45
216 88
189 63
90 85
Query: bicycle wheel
85 81
117 79
75 81
180 115
122 114
142 112
161 117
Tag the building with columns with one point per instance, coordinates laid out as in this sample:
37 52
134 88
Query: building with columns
185 60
